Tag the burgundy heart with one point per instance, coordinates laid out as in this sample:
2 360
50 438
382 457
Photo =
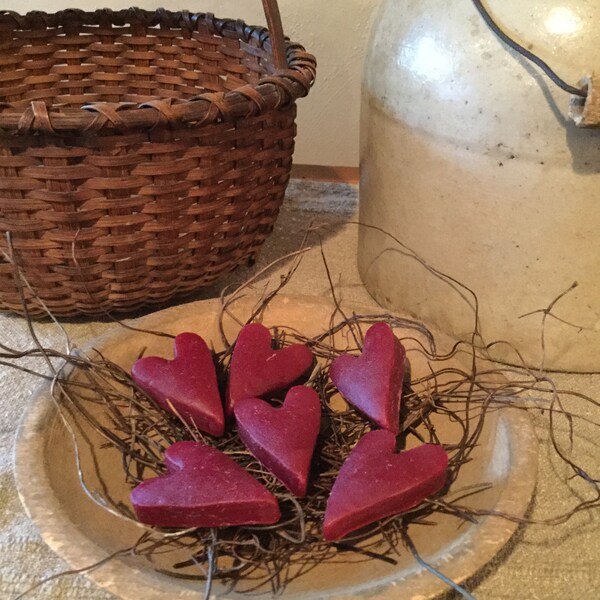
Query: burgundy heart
282 439
188 383
256 369
375 482
372 382
203 488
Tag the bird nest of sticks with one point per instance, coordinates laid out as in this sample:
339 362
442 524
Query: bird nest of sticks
448 402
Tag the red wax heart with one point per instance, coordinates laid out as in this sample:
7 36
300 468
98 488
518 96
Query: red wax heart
256 369
375 483
282 439
188 382
372 382
203 488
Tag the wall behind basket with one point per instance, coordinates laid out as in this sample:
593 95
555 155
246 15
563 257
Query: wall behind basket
336 31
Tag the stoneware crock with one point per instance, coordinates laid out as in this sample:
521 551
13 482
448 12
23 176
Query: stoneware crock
469 159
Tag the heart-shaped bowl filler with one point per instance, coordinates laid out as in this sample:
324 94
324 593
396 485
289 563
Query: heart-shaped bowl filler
203 488
372 382
282 439
257 369
186 386
375 482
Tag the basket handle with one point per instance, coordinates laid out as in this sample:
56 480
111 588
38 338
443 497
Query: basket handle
278 50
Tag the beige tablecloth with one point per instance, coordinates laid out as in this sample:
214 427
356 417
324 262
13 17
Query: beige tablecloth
539 563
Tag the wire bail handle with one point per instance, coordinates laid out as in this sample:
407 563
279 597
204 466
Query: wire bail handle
584 108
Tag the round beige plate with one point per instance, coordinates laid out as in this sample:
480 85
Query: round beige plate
83 533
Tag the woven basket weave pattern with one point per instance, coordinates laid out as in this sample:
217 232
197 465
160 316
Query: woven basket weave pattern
172 175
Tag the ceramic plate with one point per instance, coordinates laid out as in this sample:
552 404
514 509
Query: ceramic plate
82 533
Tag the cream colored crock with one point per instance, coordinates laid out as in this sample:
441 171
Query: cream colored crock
468 157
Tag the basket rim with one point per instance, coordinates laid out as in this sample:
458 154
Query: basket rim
278 90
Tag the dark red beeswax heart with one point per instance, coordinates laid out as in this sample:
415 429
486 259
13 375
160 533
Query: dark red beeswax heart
256 369
372 382
375 483
282 439
188 383
203 488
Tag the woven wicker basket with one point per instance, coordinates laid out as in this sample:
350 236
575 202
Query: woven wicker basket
142 154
